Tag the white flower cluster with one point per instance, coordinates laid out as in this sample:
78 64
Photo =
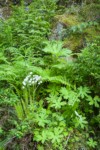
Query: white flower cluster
32 79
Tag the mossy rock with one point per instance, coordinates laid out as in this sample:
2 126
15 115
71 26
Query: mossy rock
67 19
64 20
75 42
78 40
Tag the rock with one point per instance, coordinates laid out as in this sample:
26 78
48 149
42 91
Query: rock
3 2
5 12
57 32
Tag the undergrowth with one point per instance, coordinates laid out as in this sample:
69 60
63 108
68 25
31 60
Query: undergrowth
49 97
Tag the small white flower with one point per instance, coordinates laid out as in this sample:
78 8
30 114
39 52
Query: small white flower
36 78
31 73
28 76
40 82
30 81
24 83
23 87
25 80
33 82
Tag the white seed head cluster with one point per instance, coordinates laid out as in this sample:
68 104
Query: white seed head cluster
31 79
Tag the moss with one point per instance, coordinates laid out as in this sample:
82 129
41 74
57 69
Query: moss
91 34
74 42
67 19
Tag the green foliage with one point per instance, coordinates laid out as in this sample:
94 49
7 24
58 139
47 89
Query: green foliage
81 27
46 100
27 25
89 64
91 143
94 101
